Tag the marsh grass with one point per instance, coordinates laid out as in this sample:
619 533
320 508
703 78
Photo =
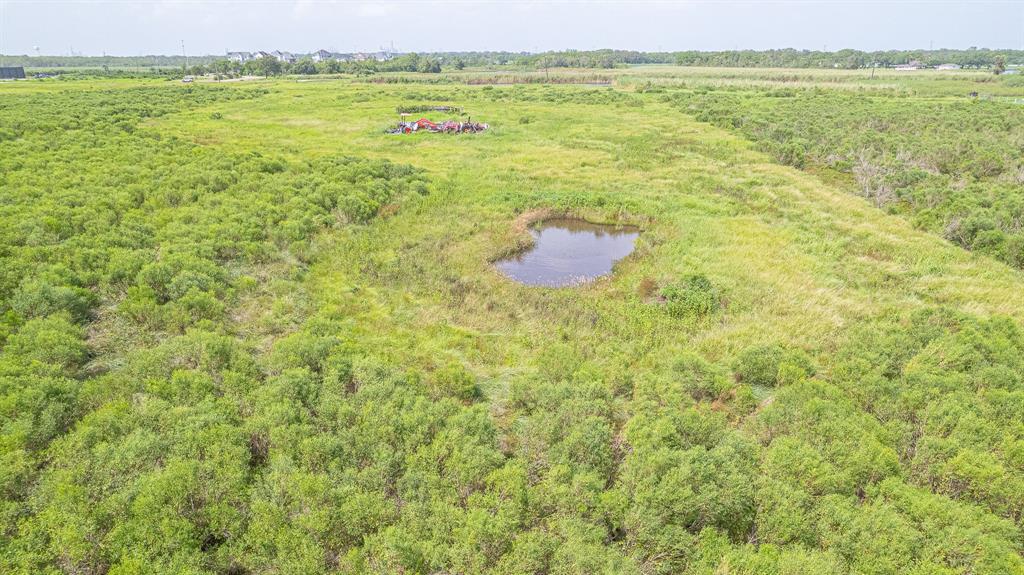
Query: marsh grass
377 398
778 235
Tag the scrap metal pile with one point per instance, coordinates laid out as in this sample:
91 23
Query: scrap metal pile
446 127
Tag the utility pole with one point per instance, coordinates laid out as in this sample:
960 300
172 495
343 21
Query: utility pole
184 68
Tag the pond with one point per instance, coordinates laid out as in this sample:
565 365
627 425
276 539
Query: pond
568 252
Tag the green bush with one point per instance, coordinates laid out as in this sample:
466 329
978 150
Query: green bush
704 381
694 296
991 243
949 163
454 380
771 365
38 298
52 340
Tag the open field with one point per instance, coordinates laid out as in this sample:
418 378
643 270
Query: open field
932 83
244 330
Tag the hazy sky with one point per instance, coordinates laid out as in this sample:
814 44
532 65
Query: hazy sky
211 27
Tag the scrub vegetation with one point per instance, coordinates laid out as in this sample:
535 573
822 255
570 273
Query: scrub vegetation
433 62
956 168
244 331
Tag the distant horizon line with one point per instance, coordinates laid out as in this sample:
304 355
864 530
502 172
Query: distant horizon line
521 52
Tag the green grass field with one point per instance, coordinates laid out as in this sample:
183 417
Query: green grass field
246 331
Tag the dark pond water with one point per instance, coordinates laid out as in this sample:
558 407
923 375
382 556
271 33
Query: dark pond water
569 252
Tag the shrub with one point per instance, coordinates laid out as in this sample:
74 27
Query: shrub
456 381
194 307
946 162
40 298
990 242
771 365
759 365
1015 250
52 340
301 350
702 380
792 153
178 274
694 296
140 304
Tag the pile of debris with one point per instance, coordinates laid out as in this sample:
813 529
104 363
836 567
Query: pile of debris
446 127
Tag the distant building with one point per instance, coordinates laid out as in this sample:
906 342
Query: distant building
240 57
283 56
321 56
364 56
912 64
12 73
948 67
261 54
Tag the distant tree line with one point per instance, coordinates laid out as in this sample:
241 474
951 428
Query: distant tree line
151 61
851 59
434 62
787 58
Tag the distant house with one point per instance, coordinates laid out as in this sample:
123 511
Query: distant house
321 56
912 65
261 54
948 67
240 57
283 56
378 56
12 73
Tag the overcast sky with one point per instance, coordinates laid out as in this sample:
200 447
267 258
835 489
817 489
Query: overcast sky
212 27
